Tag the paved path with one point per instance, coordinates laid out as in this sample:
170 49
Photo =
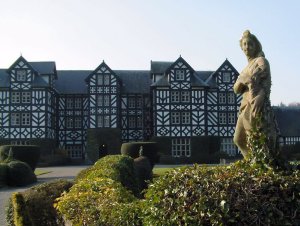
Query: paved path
64 172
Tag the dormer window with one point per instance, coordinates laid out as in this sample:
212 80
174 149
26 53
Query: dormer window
226 77
179 74
21 75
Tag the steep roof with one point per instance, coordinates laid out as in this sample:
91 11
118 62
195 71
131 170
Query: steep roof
134 81
44 67
71 81
4 78
159 67
288 120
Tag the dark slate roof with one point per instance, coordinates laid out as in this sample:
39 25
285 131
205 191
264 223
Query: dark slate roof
162 82
288 120
44 67
38 81
4 78
211 80
71 81
159 67
134 81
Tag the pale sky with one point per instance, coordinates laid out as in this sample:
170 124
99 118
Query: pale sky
128 34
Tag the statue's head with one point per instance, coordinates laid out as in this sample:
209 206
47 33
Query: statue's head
250 45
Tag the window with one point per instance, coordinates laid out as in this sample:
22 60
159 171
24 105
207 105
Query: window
69 103
185 96
179 74
131 102
139 122
103 121
15 119
231 98
222 98
185 117
226 77
106 100
15 97
69 122
74 151
175 96
77 103
222 118
106 79
175 117
228 146
181 147
100 80
21 75
100 100
139 102
77 122
26 97
131 122
231 118
26 119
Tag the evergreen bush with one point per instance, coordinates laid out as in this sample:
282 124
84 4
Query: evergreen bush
240 194
20 174
25 153
149 150
35 205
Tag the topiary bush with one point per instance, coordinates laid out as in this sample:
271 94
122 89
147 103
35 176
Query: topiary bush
149 150
240 194
3 174
25 153
116 167
19 174
99 201
35 205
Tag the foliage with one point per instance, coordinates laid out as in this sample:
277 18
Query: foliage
99 201
292 152
19 174
25 153
149 150
228 195
116 167
36 204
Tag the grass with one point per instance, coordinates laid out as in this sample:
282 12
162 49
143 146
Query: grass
38 172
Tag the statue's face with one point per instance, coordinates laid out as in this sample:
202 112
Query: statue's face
248 47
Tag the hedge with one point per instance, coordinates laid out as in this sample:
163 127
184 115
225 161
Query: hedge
104 194
35 205
19 174
25 153
149 150
116 167
240 194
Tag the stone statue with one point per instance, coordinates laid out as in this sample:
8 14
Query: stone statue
254 83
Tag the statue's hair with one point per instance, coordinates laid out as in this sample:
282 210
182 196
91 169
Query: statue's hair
258 46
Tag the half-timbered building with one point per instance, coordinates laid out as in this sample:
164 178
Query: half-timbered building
91 110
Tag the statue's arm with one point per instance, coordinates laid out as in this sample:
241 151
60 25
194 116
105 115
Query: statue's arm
240 85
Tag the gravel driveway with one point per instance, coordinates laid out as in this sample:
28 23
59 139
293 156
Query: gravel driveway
63 172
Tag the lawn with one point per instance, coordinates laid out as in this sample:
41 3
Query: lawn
38 172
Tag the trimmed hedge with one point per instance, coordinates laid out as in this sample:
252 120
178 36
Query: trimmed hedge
149 150
25 153
116 167
19 174
35 205
240 194
103 194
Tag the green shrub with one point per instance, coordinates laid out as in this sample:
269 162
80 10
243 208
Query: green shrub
149 150
25 153
36 204
117 167
3 174
239 194
99 201
20 174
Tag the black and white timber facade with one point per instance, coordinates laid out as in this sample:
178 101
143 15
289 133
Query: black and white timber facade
56 108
